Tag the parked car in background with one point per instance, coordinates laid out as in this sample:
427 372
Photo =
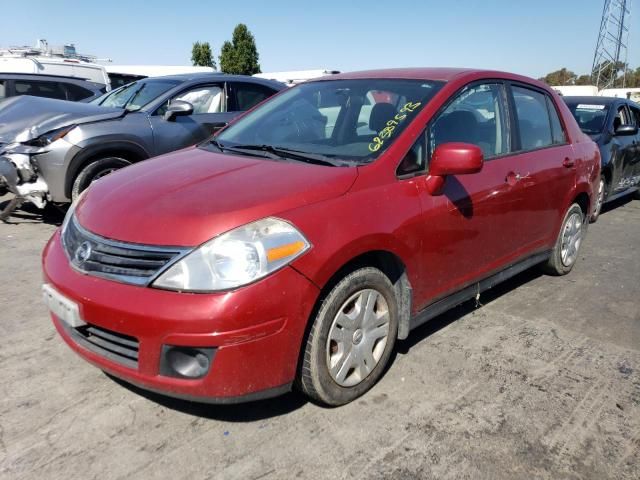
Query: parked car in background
51 65
613 123
51 150
120 75
49 86
284 252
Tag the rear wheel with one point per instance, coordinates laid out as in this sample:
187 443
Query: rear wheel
94 171
565 252
602 196
351 339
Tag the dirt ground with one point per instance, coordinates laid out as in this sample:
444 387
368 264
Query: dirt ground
541 381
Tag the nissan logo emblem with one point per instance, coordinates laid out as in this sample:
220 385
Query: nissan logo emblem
83 252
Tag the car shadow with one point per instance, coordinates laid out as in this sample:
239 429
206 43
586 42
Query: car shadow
442 321
236 413
29 213
617 203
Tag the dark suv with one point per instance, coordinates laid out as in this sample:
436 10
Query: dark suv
49 86
613 124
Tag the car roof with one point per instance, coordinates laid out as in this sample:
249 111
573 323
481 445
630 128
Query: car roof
220 77
595 100
40 76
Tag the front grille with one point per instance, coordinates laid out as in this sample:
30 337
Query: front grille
124 262
115 346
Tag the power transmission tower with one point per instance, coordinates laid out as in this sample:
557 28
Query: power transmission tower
610 58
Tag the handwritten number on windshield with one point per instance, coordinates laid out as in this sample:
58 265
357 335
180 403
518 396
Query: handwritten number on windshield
387 131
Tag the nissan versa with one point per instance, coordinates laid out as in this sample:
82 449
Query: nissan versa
301 242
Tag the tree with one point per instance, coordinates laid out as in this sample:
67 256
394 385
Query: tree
560 77
584 80
202 56
240 55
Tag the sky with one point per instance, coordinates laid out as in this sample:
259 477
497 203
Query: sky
530 38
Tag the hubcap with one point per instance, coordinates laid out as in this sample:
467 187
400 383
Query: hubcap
357 337
571 239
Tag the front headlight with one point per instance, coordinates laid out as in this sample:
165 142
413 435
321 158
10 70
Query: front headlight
236 258
49 137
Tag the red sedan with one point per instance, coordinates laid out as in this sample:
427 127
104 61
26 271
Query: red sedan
298 245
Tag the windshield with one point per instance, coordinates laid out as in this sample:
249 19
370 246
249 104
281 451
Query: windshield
353 120
590 117
135 95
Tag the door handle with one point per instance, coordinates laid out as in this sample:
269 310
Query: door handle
568 162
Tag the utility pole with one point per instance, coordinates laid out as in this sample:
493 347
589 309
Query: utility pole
610 58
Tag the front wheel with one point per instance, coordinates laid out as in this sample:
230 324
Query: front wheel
351 338
565 251
95 171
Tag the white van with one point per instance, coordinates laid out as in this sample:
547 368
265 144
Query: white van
67 67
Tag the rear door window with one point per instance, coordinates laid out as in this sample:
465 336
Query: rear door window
557 131
248 95
635 113
476 116
39 88
534 122
3 89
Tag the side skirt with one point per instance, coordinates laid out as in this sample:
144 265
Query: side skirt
471 291
615 196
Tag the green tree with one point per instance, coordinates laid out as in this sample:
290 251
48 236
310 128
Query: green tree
584 80
240 55
560 77
202 56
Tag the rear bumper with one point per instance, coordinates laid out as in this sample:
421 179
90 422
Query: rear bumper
256 331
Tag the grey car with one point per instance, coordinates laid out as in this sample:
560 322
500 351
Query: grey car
51 150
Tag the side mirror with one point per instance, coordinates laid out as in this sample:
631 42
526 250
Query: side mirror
452 159
626 130
177 108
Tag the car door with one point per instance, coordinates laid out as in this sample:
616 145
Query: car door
209 114
621 150
471 227
547 164
633 155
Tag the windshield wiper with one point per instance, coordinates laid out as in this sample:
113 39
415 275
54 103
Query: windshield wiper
225 148
290 153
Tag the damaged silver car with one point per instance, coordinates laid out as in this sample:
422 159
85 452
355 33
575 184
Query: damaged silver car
51 150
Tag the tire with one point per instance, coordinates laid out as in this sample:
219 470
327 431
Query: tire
636 194
565 251
603 191
355 341
94 171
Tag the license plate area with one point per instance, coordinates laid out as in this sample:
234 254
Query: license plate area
65 309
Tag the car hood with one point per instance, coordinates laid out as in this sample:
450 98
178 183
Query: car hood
188 197
25 117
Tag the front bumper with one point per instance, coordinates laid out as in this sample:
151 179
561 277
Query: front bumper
256 331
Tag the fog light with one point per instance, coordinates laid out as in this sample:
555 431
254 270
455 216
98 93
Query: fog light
185 362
